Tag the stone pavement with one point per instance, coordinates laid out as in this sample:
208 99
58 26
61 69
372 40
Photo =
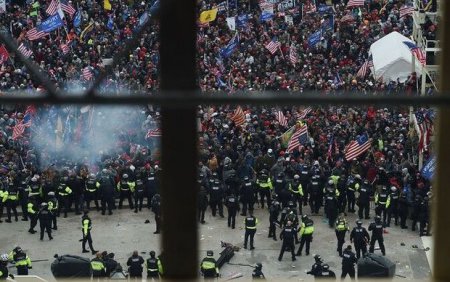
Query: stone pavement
126 231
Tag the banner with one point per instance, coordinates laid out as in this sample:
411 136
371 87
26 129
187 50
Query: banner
107 5
325 9
289 19
314 38
241 21
208 16
2 6
51 23
77 19
286 5
429 168
266 16
231 22
229 49
266 7
328 23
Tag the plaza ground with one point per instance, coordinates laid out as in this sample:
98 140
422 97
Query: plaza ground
126 231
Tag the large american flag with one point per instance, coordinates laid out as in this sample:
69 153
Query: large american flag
18 130
355 3
238 117
299 137
34 34
273 46
282 120
153 133
406 11
365 68
53 7
420 55
425 129
87 73
357 147
66 7
64 48
303 113
24 50
293 57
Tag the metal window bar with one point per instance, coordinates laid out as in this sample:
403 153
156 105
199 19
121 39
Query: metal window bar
179 98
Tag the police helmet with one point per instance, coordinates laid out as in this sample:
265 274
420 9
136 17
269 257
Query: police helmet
246 178
317 257
44 204
91 175
216 181
384 188
201 175
152 253
104 171
280 174
258 266
214 174
4 257
296 176
330 182
51 193
125 176
325 267
290 204
358 176
304 217
359 222
209 253
366 181
394 189
34 179
377 218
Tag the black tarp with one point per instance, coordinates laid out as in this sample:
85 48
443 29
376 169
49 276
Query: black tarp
70 266
225 256
373 265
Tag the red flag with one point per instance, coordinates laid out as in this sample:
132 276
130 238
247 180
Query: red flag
4 55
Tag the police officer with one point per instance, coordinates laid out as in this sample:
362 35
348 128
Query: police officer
156 209
64 193
76 185
274 212
304 179
32 214
424 217
265 187
416 211
382 202
306 233
348 263
360 237
326 272
10 199
331 202
151 264
106 191
393 207
86 227
257 272
45 221
377 235
98 266
24 189
126 188
22 262
208 266
2 192
250 223
247 193
135 263
202 204
315 198
351 189
151 186
288 235
403 210
4 272
35 190
139 193
91 192
341 229
215 197
365 192
279 183
296 189
53 208
232 205
316 268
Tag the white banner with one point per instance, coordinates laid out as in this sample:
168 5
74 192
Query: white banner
231 22
2 6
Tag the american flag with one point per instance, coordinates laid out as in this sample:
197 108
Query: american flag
153 133
18 130
293 56
34 34
299 137
87 73
303 113
24 50
273 46
365 68
282 120
238 116
330 148
420 55
4 55
53 7
309 7
66 7
356 147
65 48
355 3
425 128
406 11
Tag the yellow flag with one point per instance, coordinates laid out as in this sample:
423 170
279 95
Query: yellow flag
107 5
208 16
86 30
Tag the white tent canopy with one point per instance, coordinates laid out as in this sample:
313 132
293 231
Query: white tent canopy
392 59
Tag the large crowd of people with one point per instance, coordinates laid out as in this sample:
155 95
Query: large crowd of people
231 155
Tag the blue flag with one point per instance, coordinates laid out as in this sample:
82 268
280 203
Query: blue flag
143 19
229 49
154 9
51 23
328 23
77 19
429 168
110 24
325 9
266 16
314 38
241 21
220 83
